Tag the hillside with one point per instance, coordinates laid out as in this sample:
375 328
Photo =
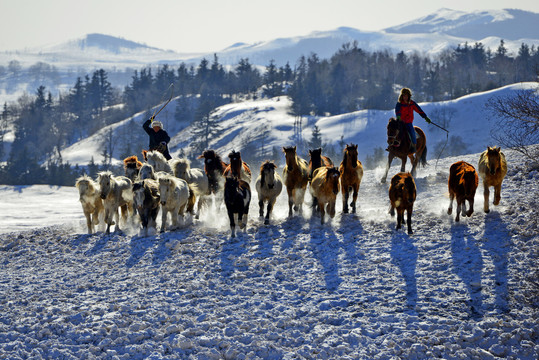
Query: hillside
352 289
262 125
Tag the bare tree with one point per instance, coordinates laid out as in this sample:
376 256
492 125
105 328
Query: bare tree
516 121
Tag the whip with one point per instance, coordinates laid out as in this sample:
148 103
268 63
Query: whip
171 87
446 141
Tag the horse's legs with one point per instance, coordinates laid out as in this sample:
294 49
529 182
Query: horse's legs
164 213
403 164
322 212
450 208
388 165
232 224
400 218
486 194
459 208
271 202
497 194
261 207
345 196
470 209
354 198
290 200
409 220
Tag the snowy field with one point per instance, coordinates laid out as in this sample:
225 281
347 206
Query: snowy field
354 288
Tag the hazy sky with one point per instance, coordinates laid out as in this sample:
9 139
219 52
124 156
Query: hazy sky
210 25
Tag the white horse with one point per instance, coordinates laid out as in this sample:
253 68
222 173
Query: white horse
268 186
175 196
146 172
196 178
91 202
116 193
158 161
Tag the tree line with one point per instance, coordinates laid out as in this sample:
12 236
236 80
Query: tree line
352 79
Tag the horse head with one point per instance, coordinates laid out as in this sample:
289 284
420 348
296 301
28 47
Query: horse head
290 156
350 155
394 128
267 174
105 179
494 160
332 177
235 162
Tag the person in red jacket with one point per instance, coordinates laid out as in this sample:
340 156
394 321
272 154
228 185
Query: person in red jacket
405 112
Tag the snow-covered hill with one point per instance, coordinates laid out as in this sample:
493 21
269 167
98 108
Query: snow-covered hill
262 125
354 288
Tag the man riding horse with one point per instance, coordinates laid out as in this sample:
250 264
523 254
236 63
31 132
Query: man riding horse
158 136
404 110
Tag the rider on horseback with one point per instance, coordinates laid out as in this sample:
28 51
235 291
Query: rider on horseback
158 136
405 112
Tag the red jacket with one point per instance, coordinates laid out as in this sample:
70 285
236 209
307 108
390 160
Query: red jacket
406 111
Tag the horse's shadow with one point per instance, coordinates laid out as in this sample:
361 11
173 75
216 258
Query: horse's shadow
231 250
404 255
265 236
468 265
325 246
497 242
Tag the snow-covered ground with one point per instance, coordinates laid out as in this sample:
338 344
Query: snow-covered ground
354 288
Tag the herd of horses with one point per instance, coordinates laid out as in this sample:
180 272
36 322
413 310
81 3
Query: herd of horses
176 189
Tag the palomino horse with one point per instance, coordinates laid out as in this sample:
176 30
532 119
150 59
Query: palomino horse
324 188
214 168
175 199
492 169
351 174
399 146
237 167
116 192
91 202
317 160
132 166
402 194
268 186
196 178
296 178
462 184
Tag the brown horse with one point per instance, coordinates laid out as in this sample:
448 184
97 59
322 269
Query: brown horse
237 167
492 169
462 184
351 174
296 178
268 186
399 146
402 194
317 160
325 187
214 168
132 166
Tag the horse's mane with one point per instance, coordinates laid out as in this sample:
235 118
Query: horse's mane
267 165
132 162
219 163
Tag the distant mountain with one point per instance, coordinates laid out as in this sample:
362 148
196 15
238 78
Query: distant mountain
508 24
102 42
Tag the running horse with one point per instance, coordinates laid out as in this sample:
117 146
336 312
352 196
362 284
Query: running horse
399 143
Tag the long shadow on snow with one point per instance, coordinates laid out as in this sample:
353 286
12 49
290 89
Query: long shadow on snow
468 265
404 255
231 250
325 246
497 241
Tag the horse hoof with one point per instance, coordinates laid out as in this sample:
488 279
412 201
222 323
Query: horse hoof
266 222
487 211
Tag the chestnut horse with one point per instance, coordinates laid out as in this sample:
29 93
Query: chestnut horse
317 160
492 169
296 178
399 146
402 194
351 174
462 184
132 166
325 187
237 167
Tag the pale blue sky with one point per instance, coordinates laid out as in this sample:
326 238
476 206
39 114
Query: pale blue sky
210 25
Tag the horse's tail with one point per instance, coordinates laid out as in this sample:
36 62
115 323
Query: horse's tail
423 158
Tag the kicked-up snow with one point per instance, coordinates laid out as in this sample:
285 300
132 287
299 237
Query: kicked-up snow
354 288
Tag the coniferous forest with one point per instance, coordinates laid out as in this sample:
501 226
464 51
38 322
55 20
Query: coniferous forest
352 79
